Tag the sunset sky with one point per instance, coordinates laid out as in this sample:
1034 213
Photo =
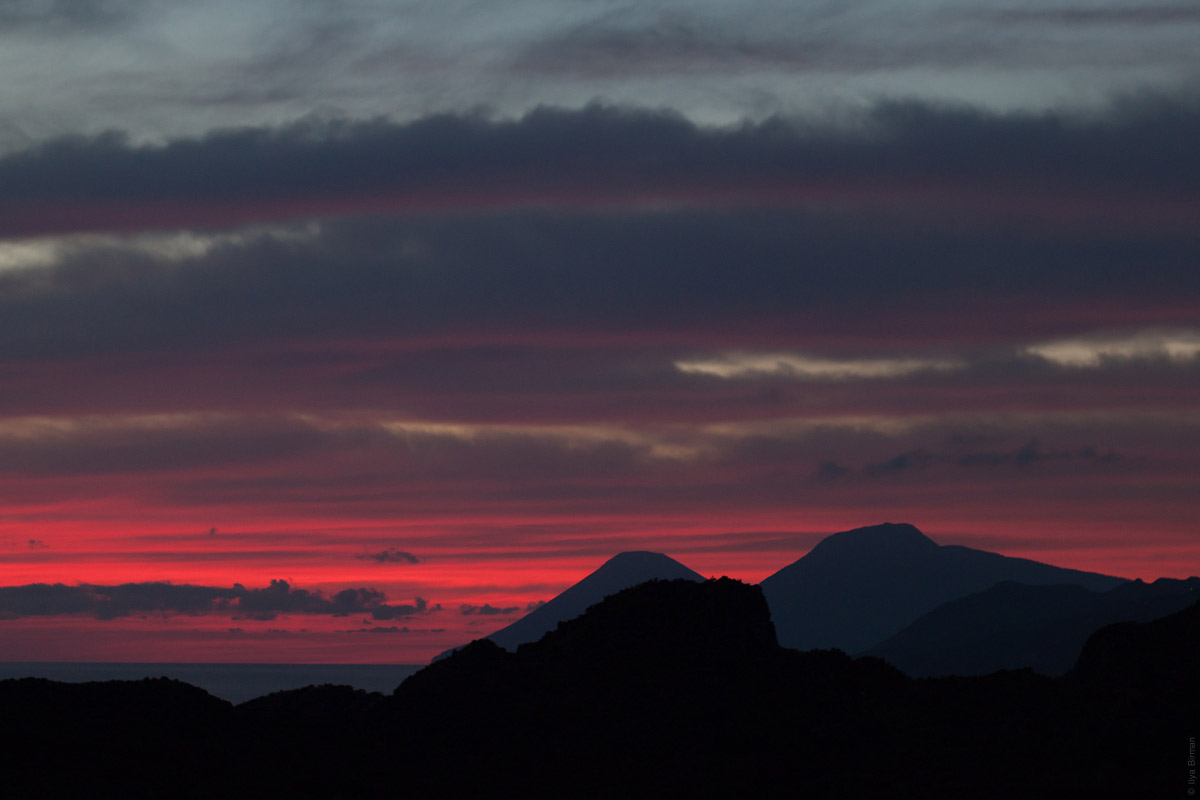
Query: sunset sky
348 332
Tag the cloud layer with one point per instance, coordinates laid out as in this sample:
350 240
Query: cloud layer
455 303
238 602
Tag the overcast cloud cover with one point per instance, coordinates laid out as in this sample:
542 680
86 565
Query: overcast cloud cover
454 301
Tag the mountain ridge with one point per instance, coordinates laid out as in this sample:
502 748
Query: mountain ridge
856 588
853 590
1017 626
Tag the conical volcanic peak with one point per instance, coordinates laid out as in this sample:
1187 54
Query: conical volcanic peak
640 559
631 568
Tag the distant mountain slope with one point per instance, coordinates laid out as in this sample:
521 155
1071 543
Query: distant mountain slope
1149 660
859 587
1015 626
619 572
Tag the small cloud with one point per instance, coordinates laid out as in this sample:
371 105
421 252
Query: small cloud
420 605
389 556
213 531
236 630
916 459
534 605
379 629
1029 454
37 544
485 610
830 471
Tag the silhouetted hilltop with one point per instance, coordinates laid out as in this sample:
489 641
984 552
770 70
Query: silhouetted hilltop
722 619
1014 626
664 628
110 739
859 587
619 572
659 690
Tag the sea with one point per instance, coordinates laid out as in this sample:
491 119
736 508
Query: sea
236 683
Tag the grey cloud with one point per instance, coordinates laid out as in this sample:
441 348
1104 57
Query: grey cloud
66 16
1127 15
810 39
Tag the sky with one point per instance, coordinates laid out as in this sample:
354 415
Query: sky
349 332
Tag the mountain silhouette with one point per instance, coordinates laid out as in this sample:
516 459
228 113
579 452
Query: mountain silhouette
859 587
1014 626
619 572
666 689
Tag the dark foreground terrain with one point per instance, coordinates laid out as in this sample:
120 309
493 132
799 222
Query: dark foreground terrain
668 689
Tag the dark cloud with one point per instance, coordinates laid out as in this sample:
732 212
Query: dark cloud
830 471
560 285
393 629
902 155
902 463
109 602
398 611
1032 453
1026 456
281 598
389 555
486 610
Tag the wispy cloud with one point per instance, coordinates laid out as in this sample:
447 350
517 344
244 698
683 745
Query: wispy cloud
1094 351
800 367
